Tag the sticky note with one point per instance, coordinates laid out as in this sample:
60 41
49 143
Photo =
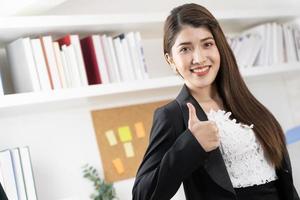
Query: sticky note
140 130
111 138
125 134
128 149
118 165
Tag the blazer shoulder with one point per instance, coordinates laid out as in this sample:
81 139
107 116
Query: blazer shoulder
170 108
171 114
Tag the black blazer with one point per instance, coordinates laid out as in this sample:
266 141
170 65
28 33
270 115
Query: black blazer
2 193
174 156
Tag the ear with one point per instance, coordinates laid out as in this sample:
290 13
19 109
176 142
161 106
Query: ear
169 59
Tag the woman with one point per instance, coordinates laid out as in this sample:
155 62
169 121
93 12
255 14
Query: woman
194 140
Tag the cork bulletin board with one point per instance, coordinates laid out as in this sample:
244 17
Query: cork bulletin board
122 136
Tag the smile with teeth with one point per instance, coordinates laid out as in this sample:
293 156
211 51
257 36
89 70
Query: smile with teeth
203 69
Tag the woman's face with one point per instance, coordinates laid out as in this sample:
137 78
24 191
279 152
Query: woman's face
195 56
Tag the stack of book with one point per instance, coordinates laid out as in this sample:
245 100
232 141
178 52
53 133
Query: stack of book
46 63
16 175
266 45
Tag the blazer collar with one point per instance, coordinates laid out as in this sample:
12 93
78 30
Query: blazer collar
215 165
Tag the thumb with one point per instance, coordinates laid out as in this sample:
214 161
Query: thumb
192 115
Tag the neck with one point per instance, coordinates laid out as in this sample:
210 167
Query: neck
206 94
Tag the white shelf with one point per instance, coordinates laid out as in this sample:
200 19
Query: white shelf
34 98
119 89
149 24
273 69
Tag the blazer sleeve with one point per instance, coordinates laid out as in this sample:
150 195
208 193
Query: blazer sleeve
169 159
289 165
2 193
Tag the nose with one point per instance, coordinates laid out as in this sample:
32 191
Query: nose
198 56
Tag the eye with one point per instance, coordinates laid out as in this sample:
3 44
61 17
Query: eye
208 44
184 49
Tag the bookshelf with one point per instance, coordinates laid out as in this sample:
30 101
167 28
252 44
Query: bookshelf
27 107
113 90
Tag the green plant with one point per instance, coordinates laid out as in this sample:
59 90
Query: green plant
103 191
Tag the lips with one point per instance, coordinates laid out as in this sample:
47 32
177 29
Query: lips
200 69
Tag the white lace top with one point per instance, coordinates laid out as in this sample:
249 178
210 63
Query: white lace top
242 153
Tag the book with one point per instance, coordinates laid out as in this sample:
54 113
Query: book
108 50
142 60
120 55
40 64
134 52
22 65
28 173
72 66
75 42
101 59
18 171
60 65
47 45
8 176
90 60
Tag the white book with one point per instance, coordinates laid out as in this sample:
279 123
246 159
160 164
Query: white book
257 45
296 35
290 44
128 61
79 59
22 65
72 65
16 160
134 55
260 30
280 49
269 41
65 68
142 60
101 60
107 53
59 64
244 51
40 64
9 183
239 43
28 173
274 50
121 59
113 57
47 44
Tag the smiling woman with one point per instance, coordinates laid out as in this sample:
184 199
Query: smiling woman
195 57
196 140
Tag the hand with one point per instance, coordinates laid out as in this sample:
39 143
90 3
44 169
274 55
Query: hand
206 132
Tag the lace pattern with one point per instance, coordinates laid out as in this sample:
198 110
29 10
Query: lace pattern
242 153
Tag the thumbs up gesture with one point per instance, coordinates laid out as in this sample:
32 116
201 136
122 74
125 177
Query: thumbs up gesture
206 132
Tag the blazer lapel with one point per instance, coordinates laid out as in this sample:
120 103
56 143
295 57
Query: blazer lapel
215 165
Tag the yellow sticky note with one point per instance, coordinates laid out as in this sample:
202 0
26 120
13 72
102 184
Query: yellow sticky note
128 149
118 165
125 134
111 138
140 130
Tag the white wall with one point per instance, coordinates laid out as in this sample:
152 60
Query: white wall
137 6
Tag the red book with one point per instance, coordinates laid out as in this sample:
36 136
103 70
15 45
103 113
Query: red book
90 60
65 40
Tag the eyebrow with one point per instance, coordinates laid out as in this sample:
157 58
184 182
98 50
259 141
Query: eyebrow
202 40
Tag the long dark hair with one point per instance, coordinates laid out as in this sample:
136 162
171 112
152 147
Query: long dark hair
231 87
